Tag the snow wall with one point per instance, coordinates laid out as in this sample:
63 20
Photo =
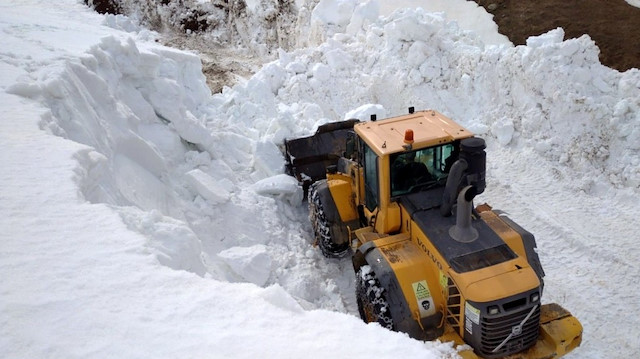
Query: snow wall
201 176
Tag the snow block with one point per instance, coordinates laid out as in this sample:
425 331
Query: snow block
280 298
207 187
364 112
280 186
334 12
554 36
172 241
251 263
268 159
503 129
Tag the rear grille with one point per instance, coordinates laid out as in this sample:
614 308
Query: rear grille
496 329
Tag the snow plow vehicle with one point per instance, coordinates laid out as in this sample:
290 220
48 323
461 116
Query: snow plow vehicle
397 195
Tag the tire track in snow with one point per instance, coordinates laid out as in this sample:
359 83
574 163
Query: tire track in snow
586 244
315 281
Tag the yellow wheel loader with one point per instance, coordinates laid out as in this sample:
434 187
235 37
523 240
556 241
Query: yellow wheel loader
397 195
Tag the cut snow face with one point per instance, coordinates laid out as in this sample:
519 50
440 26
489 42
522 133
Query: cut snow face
199 176
209 195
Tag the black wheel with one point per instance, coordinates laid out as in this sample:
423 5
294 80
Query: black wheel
322 228
372 302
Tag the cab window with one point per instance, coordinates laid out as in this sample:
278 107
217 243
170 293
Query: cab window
418 170
370 178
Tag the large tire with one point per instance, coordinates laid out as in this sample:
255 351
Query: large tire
322 227
372 303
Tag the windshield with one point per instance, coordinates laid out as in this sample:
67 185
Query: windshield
421 169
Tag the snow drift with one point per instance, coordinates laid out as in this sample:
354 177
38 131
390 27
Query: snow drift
196 180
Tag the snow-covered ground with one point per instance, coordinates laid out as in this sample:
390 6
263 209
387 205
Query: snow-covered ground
140 216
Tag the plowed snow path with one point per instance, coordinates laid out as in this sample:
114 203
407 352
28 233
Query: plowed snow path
587 243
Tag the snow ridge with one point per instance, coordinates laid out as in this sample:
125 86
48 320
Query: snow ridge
552 95
196 179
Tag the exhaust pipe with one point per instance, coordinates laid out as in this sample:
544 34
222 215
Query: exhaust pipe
462 231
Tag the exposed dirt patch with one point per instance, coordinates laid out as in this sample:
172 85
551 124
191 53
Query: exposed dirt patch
221 65
232 39
105 6
613 24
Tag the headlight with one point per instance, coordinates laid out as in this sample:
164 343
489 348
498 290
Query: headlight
493 310
535 297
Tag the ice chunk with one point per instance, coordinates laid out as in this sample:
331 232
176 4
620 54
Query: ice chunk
207 187
338 59
364 13
503 129
321 72
334 12
281 186
268 158
251 263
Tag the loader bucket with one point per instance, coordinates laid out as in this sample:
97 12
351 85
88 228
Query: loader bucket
307 158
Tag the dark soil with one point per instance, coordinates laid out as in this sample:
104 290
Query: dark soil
105 6
613 24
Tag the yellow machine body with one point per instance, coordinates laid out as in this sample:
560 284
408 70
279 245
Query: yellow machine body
478 283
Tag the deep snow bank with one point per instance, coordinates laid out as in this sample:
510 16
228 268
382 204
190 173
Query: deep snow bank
198 175
552 95
209 196
266 25
106 101
195 173
77 282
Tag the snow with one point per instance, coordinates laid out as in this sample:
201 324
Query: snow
635 3
207 187
253 263
467 14
281 186
143 216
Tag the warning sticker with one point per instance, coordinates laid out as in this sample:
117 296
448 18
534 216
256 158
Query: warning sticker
468 326
472 313
444 281
423 296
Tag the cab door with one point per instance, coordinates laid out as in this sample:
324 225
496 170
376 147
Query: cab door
371 182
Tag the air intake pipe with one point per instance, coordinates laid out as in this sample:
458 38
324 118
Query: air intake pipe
468 170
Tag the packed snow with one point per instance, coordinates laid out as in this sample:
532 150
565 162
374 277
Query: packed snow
143 216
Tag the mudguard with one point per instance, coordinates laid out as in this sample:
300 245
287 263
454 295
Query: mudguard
338 228
529 243
428 328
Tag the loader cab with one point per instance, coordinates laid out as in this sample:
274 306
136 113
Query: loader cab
393 165
421 169
388 178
